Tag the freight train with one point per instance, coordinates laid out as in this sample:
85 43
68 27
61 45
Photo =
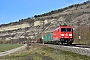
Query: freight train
62 34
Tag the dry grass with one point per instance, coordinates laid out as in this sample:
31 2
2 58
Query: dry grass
84 32
40 52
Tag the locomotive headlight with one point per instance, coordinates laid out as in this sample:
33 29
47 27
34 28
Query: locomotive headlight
70 34
62 34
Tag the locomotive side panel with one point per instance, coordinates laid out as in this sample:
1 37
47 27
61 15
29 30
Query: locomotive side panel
56 35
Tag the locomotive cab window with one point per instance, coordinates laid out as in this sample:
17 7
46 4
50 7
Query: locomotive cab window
63 29
66 29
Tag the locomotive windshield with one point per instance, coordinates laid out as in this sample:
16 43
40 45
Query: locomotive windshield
65 29
68 29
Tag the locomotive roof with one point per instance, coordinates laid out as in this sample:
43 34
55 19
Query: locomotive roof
63 27
57 28
66 26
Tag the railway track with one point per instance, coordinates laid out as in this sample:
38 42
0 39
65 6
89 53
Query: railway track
83 46
75 48
78 45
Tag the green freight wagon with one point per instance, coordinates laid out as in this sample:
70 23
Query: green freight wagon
47 38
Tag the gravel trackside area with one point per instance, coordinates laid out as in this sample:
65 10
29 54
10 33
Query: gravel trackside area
79 50
42 52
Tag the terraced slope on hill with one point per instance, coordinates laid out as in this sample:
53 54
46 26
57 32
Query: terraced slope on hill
77 15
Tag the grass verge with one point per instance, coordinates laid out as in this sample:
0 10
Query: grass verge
37 52
5 47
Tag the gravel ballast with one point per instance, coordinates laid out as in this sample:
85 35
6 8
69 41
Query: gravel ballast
79 50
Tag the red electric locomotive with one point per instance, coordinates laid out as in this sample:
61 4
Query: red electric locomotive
63 34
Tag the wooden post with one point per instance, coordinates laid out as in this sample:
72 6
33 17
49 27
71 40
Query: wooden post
43 32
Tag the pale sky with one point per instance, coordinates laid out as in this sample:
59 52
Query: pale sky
13 10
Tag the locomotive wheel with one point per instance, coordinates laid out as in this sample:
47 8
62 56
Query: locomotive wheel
58 42
69 43
55 43
61 42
